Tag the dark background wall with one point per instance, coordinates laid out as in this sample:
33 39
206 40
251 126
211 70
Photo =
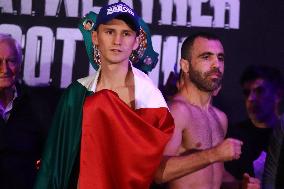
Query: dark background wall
54 53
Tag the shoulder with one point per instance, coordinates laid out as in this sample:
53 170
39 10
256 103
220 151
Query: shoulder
221 115
77 91
147 95
180 111
88 82
179 105
85 83
39 96
143 82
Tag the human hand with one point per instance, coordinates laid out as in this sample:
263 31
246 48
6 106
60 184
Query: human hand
249 182
227 150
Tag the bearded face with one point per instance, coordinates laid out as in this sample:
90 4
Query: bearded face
207 81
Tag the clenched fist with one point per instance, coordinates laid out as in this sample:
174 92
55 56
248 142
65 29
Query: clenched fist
228 150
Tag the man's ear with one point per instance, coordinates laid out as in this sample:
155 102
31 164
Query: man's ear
136 43
184 65
95 38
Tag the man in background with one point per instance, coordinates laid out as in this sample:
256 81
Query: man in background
24 121
262 89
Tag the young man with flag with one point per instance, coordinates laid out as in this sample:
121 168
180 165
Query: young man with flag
110 128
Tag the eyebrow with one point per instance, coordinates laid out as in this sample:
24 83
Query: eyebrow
205 53
108 27
210 53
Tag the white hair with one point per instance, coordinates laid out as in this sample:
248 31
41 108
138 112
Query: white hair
16 45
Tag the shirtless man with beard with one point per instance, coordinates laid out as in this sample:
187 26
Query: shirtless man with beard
194 156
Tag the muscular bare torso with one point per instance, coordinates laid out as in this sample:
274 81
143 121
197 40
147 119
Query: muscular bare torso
199 129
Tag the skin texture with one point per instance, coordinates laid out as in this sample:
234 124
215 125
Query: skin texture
198 135
9 66
9 70
116 41
197 149
206 66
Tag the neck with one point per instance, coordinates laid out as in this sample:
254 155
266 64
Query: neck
6 95
113 75
195 96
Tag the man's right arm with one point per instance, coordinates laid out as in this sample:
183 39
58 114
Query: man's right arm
173 166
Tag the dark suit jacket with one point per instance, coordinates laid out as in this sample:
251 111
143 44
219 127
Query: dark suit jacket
22 138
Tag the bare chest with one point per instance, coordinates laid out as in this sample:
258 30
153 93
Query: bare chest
203 130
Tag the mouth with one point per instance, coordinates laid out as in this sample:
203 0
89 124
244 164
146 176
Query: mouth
115 50
214 73
217 75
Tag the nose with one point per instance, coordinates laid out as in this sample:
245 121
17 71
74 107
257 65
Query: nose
215 62
251 96
4 68
117 39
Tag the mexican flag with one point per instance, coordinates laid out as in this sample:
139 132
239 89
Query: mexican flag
119 147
